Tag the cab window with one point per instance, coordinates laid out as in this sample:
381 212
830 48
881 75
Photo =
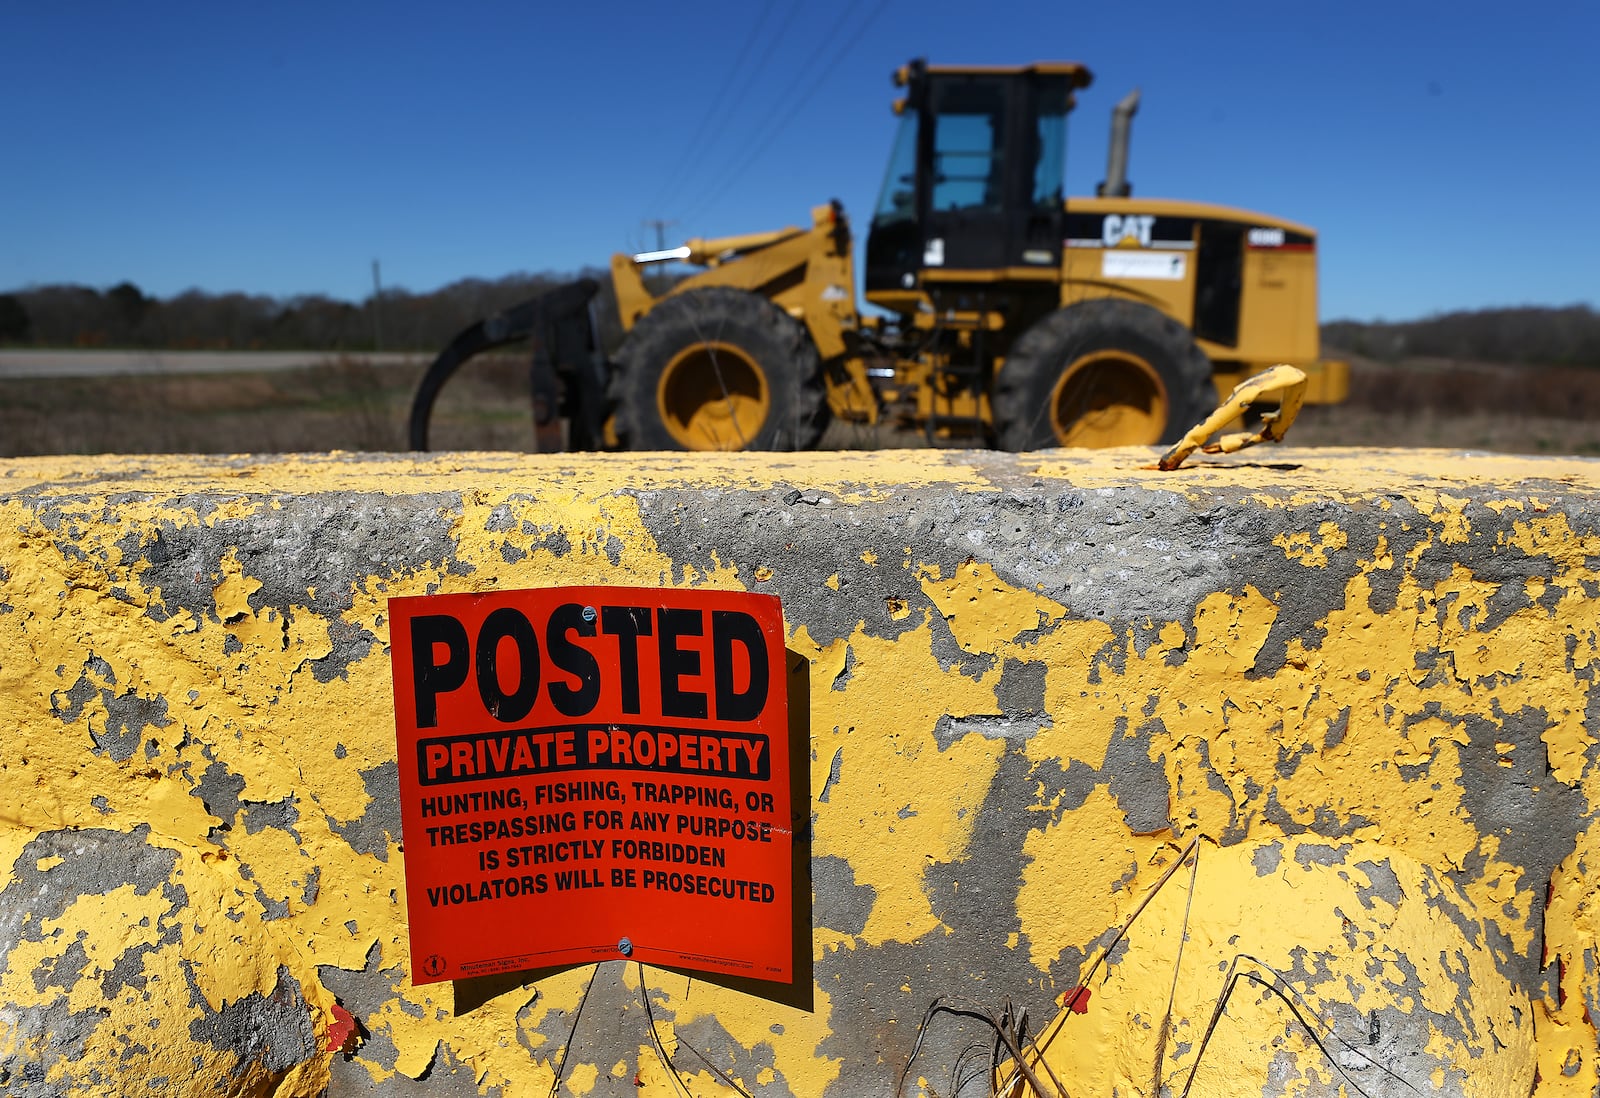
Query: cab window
969 146
897 200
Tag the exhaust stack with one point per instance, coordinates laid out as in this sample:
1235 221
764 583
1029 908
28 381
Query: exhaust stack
1116 183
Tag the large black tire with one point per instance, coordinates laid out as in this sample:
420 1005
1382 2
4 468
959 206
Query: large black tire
1108 372
718 369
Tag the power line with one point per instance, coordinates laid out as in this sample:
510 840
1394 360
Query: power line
797 103
669 181
660 226
776 129
741 97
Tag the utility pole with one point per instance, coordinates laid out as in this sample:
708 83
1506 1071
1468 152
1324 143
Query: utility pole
377 309
660 227
657 282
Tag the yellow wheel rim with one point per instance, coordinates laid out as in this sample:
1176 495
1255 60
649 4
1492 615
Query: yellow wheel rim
1108 398
713 396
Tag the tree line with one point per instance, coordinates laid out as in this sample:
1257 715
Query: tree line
1529 335
125 317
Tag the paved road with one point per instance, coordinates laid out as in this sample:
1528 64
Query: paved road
20 364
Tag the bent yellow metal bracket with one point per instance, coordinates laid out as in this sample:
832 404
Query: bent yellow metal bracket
1274 425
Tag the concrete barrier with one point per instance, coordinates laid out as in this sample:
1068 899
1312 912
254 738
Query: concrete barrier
1359 686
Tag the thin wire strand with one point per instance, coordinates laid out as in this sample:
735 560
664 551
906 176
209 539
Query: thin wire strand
655 1035
1055 1027
727 1080
958 1082
776 128
566 1047
1299 1008
1177 966
673 181
962 1009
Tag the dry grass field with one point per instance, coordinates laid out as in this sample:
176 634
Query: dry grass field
353 405
348 405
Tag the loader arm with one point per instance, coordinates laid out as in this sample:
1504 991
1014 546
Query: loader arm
806 272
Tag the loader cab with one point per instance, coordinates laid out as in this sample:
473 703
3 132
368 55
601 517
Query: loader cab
975 178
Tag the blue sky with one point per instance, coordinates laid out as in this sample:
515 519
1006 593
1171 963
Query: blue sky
1448 153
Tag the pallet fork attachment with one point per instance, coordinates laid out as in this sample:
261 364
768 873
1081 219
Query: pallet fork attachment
566 374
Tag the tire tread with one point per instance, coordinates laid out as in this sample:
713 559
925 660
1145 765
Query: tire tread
1028 377
789 360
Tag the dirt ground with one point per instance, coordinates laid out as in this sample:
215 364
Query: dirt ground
354 405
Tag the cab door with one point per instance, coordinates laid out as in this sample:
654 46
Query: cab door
966 176
992 148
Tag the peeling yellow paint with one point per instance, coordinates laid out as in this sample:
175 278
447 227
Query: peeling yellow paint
1088 854
798 1057
1149 1008
151 975
1300 545
982 610
938 820
582 1079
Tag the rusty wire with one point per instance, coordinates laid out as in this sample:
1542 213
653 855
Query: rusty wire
958 1083
1191 851
1177 965
1277 985
1298 1007
655 1035
566 1046
1009 1030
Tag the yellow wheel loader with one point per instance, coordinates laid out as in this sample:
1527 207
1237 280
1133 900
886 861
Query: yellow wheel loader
1006 314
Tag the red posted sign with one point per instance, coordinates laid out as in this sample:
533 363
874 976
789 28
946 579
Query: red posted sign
590 773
